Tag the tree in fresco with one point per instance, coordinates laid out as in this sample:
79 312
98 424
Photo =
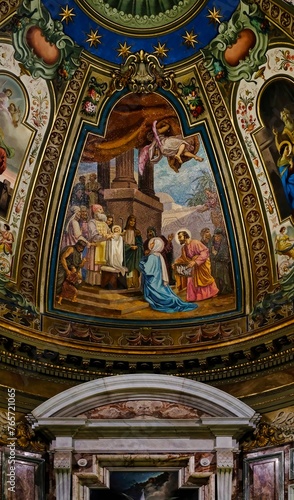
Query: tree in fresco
203 181
205 197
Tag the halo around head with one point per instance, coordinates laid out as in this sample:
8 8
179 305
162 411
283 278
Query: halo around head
180 231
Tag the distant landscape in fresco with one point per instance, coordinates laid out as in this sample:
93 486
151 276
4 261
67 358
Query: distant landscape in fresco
144 486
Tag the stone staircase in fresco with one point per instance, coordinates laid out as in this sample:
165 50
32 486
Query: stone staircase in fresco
118 302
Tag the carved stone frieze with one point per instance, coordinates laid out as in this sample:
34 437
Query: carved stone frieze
225 459
143 409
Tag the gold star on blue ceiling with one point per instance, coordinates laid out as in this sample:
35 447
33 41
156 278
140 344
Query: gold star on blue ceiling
93 38
66 14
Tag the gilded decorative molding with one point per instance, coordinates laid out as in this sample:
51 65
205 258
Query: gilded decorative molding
141 73
25 437
267 434
84 363
7 9
278 15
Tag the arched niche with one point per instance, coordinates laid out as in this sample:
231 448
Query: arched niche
142 422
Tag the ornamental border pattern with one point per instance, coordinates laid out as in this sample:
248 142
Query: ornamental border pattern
256 233
41 193
277 13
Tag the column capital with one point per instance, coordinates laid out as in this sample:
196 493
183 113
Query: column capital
225 459
62 460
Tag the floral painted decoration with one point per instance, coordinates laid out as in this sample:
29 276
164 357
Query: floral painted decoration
192 98
285 61
94 93
244 110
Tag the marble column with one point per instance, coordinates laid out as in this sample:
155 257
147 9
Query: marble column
225 465
124 177
62 468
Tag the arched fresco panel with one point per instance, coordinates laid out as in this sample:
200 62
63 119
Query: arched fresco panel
24 119
143 167
265 118
276 113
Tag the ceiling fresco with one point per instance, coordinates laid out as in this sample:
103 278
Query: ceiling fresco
173 30
146 181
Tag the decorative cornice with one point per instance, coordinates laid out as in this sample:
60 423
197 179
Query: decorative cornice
83 365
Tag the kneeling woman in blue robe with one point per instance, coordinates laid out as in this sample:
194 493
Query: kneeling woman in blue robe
155 282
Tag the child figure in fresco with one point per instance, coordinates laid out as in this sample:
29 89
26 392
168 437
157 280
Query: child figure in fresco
69 290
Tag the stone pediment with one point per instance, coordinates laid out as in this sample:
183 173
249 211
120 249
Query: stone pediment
143 410
124 405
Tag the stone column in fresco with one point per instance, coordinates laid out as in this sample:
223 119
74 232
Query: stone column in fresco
146 180
62 469
225 465
124 177
103 177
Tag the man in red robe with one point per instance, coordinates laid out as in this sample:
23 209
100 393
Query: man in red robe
195 260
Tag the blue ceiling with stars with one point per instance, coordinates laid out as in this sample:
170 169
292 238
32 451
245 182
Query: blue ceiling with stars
181 42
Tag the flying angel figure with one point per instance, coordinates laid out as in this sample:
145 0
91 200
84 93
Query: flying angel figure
175 148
